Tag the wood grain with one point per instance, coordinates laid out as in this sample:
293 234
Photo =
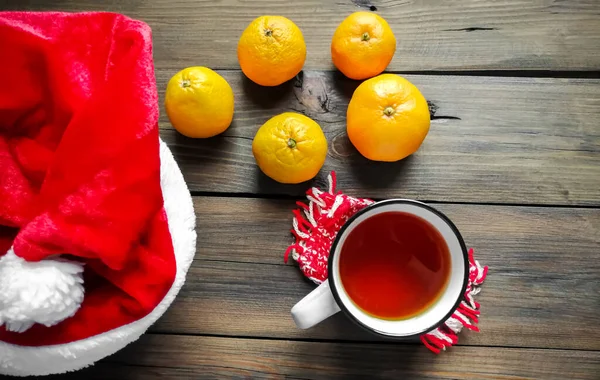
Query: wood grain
499 140
542 290
432 35
170 357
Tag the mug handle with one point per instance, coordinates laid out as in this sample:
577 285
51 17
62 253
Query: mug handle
317 306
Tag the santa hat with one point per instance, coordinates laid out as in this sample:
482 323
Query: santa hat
96 221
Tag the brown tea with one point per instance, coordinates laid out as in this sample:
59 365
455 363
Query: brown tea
394 265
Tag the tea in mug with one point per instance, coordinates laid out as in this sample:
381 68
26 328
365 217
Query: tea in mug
394 265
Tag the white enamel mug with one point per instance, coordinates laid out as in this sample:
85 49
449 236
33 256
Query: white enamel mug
330 297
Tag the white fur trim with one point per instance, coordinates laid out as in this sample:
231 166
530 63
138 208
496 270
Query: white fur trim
45 292
26 361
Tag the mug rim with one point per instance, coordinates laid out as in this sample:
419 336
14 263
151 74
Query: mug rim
350 221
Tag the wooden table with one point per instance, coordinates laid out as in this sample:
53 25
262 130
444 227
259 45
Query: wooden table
513 157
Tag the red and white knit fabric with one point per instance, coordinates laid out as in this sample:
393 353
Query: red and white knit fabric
315 226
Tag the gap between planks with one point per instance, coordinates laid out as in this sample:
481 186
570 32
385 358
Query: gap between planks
351 341
562 74
517 73
290 197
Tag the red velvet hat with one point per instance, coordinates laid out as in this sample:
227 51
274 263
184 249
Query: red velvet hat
96 221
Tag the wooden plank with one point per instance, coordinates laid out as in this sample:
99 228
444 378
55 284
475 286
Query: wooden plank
542 290
482 35
199 357
239 229
519 140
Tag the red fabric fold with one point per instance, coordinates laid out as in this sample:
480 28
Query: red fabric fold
79 159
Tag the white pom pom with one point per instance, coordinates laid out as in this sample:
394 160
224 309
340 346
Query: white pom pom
45 292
